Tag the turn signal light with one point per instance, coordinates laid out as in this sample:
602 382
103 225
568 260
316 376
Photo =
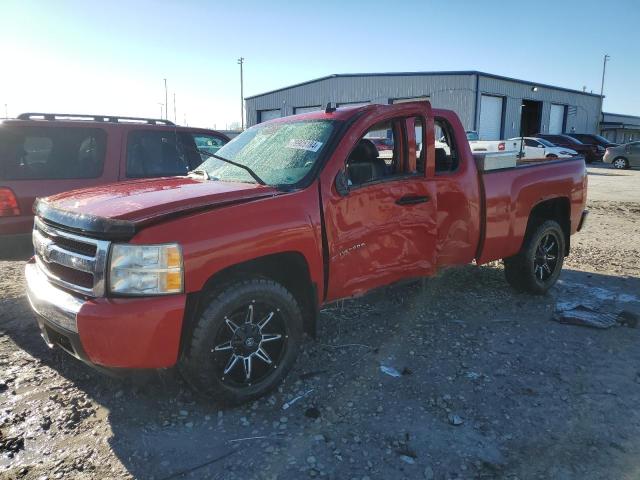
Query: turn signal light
8 203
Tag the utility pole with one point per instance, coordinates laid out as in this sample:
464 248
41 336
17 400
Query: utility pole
604 69
166 101
6 111
240 62
161 105
175 117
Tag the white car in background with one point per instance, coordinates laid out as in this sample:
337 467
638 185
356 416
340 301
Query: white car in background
485 146
533 147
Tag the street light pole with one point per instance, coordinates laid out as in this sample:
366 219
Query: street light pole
161 105
166 100
604 69
6 111
175 117
240 62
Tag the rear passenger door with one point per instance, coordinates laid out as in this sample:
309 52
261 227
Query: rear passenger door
382 227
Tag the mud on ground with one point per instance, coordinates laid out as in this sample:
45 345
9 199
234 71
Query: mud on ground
488 387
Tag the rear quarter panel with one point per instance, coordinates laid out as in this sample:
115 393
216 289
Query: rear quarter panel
511 194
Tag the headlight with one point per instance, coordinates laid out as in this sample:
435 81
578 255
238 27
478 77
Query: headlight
146 269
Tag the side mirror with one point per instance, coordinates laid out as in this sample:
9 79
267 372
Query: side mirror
342 183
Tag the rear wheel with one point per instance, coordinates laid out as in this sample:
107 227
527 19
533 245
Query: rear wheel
552 156
245 341
538 265
620 163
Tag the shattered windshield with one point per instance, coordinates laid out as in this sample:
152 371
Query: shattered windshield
280 153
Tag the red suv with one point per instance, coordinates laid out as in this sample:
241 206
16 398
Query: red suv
44 154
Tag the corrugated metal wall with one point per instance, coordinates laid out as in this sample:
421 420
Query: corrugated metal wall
582 110
456 92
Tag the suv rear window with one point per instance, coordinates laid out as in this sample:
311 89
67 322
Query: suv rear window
37 153
161 153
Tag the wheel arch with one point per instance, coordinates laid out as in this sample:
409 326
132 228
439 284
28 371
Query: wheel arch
558 209
290 269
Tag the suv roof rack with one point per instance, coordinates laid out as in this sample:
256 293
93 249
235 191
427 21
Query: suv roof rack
92 118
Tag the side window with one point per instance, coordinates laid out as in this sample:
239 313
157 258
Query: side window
207 144
531 143
377 155
31 153
158 154
446 152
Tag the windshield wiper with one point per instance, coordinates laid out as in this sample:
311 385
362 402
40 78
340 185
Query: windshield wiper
253 174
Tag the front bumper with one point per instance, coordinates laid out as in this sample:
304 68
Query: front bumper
124 333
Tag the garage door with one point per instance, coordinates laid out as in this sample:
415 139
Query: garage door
298 110
556 119
269 115
490 117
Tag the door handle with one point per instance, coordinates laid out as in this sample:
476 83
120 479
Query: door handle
412 200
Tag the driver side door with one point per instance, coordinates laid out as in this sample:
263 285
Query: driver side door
383 229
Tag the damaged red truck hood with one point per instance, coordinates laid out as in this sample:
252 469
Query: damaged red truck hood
127 205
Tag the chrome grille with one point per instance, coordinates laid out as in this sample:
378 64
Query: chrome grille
71 261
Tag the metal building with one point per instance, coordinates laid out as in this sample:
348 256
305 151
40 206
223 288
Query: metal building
620 128
494 106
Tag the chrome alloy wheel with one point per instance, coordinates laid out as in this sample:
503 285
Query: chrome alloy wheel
247 351
546 257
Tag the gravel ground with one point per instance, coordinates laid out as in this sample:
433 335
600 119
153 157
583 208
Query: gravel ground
487 386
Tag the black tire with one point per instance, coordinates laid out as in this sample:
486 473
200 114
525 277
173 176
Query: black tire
526 271
620 163
552 156
209 355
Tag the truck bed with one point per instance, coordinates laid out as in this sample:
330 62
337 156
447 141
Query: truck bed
510 194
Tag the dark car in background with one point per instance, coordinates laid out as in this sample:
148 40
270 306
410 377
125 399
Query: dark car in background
591 153
44 154
592 139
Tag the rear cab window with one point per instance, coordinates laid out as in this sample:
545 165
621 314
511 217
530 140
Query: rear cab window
37 153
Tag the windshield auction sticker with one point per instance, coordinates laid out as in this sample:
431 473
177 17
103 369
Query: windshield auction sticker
300 144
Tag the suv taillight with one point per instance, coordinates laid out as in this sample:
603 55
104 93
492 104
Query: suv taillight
8 203
501 146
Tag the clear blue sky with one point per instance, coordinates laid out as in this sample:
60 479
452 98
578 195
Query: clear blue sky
111 56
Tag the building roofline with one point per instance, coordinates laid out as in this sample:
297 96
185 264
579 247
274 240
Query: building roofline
621 115
408 74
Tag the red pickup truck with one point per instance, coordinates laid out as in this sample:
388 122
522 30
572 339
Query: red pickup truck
223 270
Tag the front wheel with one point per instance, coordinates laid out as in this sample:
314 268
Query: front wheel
621 163
537 267
244 342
